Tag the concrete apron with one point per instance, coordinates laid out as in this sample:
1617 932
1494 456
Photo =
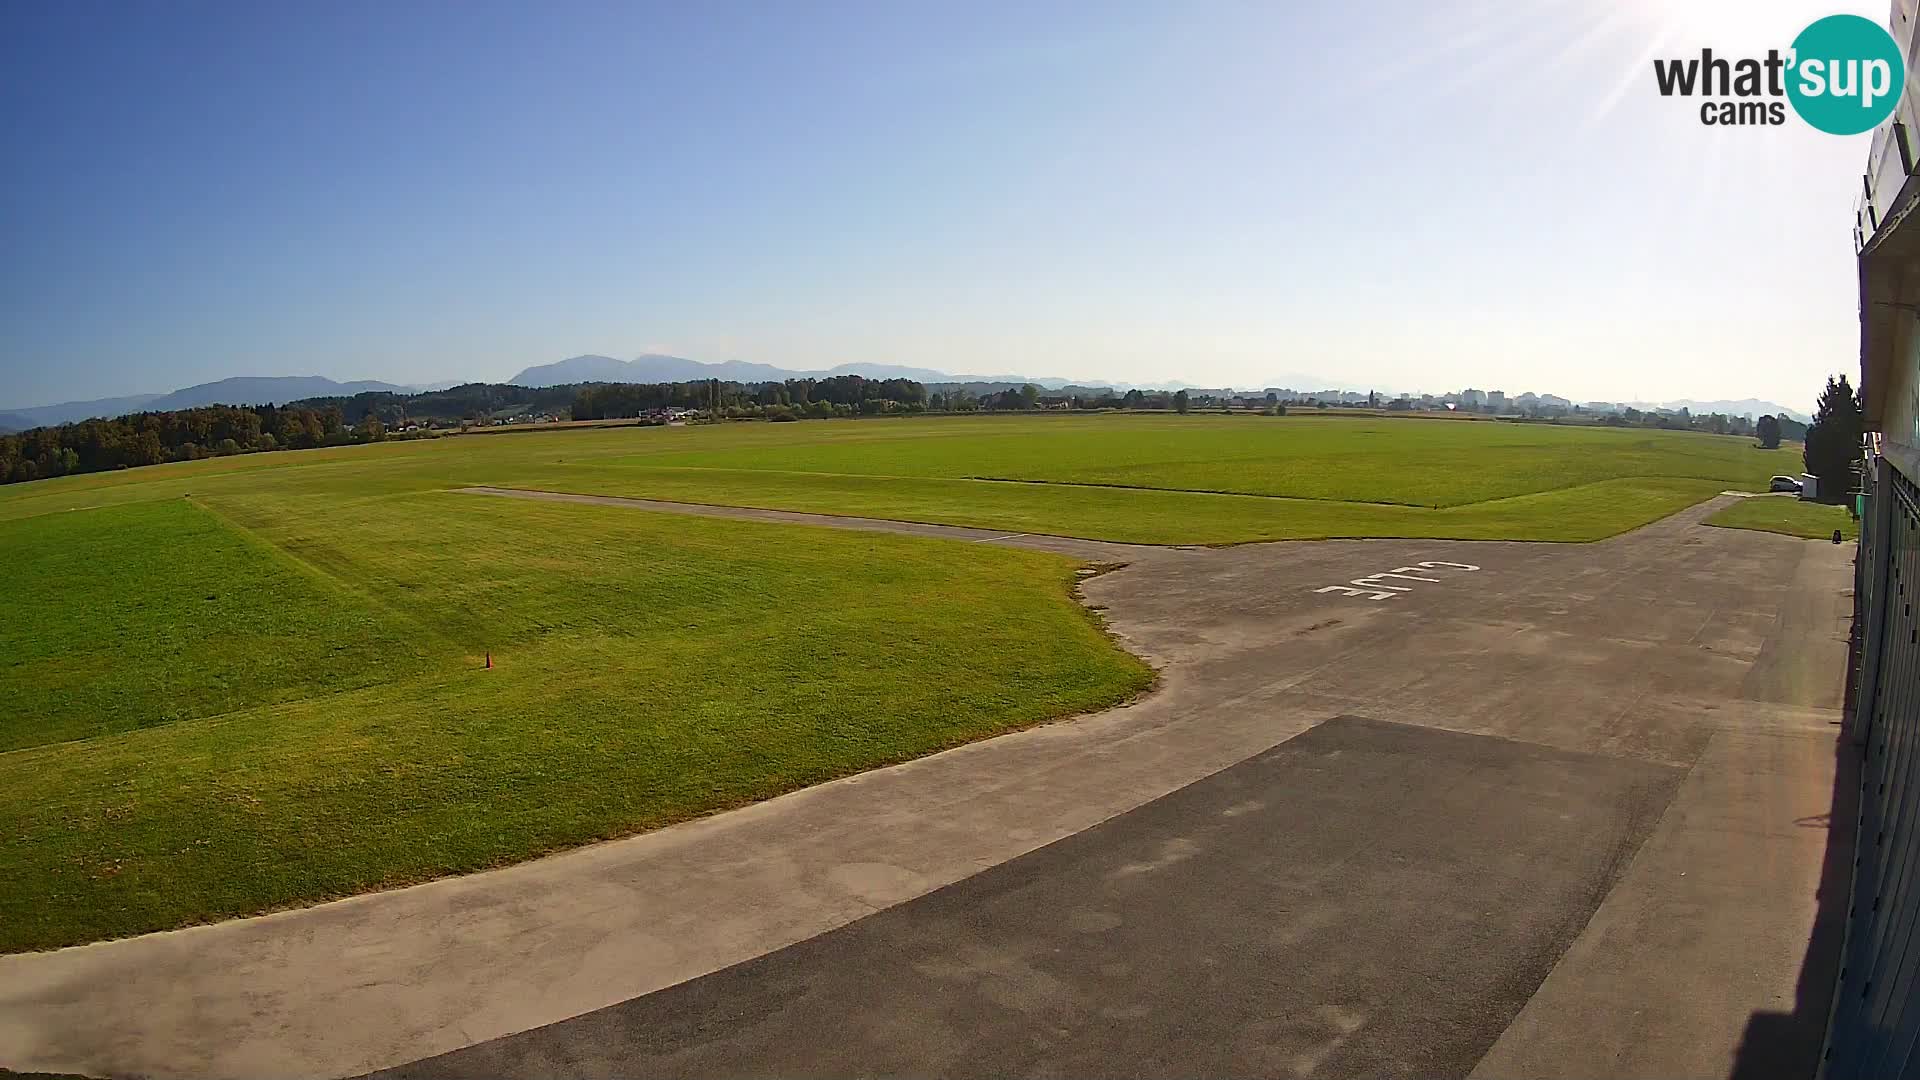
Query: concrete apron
1712 653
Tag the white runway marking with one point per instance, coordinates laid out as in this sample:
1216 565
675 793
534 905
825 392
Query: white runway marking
991 539
1374 587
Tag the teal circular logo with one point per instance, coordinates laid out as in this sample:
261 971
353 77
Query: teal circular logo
1846 74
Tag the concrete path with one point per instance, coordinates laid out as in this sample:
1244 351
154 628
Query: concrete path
1293 914
1678 683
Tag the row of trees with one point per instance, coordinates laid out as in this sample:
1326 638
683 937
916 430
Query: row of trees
1768 429
153 438
1029 397
845 395
837 396
472 401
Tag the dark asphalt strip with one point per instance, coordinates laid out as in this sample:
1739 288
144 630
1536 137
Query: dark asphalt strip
1368 899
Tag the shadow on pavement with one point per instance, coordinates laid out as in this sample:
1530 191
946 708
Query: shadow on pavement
1787 1044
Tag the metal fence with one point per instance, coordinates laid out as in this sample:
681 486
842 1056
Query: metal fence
1876 1010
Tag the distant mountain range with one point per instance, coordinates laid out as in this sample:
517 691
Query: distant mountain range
656 367
22 419
239 391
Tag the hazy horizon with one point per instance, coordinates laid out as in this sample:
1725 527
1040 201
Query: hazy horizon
1435 198
1302 381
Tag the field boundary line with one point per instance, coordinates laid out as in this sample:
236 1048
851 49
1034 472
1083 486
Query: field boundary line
329 580
1098 485
827 519
226 717
1337 502
1114 486
606 464
324 580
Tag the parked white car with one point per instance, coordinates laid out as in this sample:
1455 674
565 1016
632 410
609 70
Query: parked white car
1784 483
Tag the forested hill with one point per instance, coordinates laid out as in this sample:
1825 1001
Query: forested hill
150 438
470 402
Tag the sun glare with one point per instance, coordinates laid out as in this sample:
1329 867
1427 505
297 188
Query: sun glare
1726 24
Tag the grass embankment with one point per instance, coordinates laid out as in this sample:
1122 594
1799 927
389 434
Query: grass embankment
1790 516
648 668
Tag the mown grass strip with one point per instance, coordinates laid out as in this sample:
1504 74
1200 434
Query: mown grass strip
1788 516
648 668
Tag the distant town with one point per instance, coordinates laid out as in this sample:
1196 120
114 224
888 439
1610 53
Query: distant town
1496 402
1725 418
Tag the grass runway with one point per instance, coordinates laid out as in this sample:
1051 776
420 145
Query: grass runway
251 682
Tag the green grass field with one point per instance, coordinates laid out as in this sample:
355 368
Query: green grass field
157 612
1404 462
1788 515
295 706
1141 479
259 681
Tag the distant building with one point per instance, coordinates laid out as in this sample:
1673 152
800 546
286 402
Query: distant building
1473 398
1497 400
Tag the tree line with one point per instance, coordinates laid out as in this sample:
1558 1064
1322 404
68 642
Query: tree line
155 437
855 395
1768 429
470 402
840 395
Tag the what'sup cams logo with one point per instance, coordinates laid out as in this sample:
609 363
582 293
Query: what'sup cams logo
1843 75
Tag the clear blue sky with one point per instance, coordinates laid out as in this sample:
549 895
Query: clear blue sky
1417 195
